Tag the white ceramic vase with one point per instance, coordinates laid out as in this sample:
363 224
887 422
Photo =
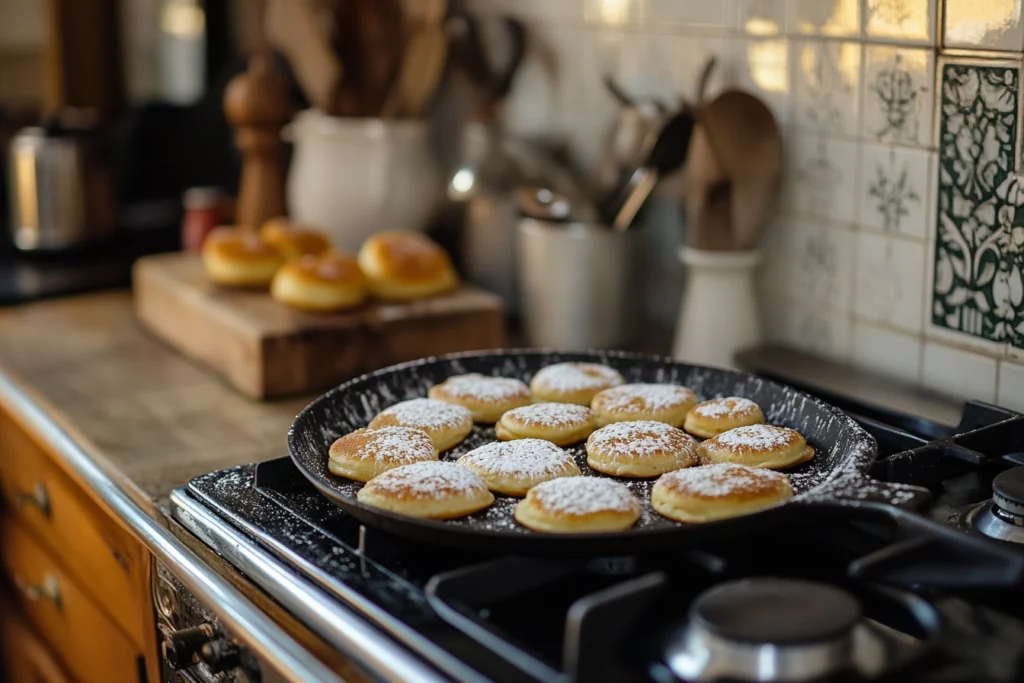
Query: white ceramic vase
355 177
719 314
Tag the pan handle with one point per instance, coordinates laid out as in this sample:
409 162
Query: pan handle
855 487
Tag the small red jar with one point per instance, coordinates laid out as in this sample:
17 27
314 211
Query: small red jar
202 214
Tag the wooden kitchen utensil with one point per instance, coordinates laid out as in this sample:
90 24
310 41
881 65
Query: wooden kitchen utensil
426 53
267 350
294 27
737 146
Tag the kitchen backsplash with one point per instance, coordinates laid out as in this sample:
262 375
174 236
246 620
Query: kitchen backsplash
899 242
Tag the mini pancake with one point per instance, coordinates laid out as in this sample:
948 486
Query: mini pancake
573 382
327 282
488 398
239 258
718 415
578 505
402 265
640 449
514 467
758 446
666 403
559 423
721 491
435 489
365 453
446 424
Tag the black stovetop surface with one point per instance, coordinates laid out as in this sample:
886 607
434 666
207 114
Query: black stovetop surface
955 596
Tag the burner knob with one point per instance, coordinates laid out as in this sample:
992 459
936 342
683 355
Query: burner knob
1008 490
220 655
181 648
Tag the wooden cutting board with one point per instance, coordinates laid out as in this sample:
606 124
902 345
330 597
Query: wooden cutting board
267 350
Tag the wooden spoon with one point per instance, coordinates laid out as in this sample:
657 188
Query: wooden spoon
426 53
294 27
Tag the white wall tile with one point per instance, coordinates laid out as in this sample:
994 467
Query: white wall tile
820 331
1011 386
821 267
959 373
905 20
894 189
825 17
763 68
821 177
890 281
984 24
826 85
898 102
761 17
886 351
706 15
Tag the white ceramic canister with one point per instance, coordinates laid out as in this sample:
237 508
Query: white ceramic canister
575 284
719 315
354 177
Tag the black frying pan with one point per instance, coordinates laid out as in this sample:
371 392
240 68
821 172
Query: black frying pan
835 475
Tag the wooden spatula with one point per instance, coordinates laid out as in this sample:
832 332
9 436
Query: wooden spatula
294 28
426 52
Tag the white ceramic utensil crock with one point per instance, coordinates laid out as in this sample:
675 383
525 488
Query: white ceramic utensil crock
719 314
355 177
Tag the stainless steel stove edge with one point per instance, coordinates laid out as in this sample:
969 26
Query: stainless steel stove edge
338 625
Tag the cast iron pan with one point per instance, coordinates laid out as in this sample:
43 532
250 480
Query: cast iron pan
836 474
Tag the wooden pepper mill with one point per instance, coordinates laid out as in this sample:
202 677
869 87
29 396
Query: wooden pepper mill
256 103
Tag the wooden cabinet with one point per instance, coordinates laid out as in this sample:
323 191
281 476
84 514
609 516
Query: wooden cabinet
25 657
80 579
74 528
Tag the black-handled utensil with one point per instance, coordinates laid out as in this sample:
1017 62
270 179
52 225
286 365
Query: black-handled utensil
667 154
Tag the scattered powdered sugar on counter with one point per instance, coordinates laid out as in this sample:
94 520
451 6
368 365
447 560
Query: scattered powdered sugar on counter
430 479
756 437
719 407
577 376
583 496
722 479
484 388
428 413
548 415
640 438
644 397
527 458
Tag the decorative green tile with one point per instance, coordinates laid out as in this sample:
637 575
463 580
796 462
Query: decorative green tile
977 287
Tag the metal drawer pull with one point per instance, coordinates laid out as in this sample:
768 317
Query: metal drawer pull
38 496
48 590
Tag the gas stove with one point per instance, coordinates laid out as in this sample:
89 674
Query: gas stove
868 593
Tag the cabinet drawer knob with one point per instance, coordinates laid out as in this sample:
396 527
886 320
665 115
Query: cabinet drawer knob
38 496
49 589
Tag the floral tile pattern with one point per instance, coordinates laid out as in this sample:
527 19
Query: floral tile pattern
894 187
821 178
827 85
977 286
898 102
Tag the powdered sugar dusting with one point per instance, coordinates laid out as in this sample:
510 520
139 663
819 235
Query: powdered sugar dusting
643 397
428 480
548 415
723 480
640 439
721 407
755 437
399 445
427 413
577 496
523 458
576 377
483 388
